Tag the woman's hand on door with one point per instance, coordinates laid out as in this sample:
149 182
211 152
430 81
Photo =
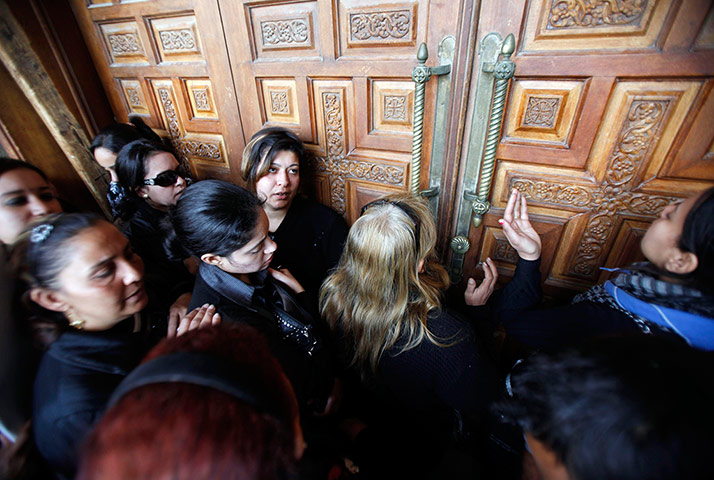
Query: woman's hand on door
518 229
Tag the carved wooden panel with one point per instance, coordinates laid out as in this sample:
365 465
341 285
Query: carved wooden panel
379 26
338 73
200 96
543 112
392 106
134 96
123 42
280 101
177 39
280 32
152 58
601 140
595 25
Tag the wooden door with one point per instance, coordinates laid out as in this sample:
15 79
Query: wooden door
608 120
166 60
338 72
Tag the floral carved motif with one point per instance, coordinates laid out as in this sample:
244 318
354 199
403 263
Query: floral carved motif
279 103
541 112
285 32
200 98
395 108
381 25
337 166
172 40
635 141
595 13
124 44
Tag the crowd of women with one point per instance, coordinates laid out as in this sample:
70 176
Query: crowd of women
216 331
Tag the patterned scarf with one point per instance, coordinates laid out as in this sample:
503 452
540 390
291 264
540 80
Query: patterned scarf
639 280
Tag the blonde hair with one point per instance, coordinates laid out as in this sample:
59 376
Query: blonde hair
376 294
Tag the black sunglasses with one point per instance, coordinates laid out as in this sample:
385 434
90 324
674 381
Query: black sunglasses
404 208
164 179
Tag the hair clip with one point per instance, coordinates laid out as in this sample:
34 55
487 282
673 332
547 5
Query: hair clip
41 232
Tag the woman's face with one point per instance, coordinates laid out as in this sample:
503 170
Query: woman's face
107 160
24 197
660 241
255 255
157 196
279 186
102 282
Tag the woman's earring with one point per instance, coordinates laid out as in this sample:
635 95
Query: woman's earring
74 321
146 195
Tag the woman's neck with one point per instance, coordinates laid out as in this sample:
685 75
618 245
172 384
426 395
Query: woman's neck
275 217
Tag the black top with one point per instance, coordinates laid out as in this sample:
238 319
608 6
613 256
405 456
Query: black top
421 397
288 326
74 381
310 241
165 279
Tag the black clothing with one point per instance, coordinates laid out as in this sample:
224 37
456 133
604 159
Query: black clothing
288 326
76 377
165 279
310 240
430 399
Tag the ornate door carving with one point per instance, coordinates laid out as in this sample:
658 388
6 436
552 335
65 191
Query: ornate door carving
339 73
608 120
167 62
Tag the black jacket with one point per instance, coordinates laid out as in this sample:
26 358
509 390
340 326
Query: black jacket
266 305
165 279
310 241
76 377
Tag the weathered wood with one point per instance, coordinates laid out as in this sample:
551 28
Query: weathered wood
25 67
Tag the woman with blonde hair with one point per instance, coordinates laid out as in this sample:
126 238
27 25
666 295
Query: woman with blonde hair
422 364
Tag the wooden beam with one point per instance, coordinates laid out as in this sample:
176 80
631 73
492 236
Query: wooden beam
25 67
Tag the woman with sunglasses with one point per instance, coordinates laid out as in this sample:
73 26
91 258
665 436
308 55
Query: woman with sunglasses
421 366
105 147
150 174
310 236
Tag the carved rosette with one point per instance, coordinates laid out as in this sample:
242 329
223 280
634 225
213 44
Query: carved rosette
380 25
504 252
541 112
395 108
595 13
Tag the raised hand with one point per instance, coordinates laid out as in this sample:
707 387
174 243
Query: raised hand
474 295
518 229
